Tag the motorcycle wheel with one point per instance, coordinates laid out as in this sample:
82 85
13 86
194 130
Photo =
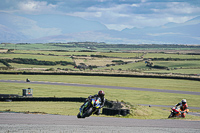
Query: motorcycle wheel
79 116
87 113
171 115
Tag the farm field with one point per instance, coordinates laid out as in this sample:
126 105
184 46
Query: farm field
95 56
180 61
171 55
98 61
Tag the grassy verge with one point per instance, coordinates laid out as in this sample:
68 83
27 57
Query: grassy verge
154 83
133 97
61 108
67 108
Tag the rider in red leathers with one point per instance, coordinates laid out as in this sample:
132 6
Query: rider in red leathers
183 107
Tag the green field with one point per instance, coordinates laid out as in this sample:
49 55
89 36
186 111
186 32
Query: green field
177 60
104 61
153 83
38 57
132 97
181 71
171 55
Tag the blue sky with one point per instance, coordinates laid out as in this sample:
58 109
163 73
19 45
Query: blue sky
114 14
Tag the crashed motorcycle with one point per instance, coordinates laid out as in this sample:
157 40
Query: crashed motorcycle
176 112
90 107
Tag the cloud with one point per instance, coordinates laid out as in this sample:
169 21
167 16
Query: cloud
27 6
109 15
120 16
179 8
115 14
35 7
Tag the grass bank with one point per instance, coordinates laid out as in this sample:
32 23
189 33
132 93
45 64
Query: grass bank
129 96
153 83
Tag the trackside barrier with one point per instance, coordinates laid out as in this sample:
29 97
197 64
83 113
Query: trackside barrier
112 112
55 99
3 97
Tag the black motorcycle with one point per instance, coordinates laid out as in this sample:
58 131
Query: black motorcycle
89 107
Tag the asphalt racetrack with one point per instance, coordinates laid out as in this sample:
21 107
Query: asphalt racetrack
39 123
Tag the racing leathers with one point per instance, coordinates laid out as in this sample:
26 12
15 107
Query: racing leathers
101 104
183 108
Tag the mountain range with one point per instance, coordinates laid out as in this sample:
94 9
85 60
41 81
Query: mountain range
63 28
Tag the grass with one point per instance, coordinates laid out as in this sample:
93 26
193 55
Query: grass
122 55
61 108
99 61
180 71
163 55
130 66
54 52
178 64
130 96
67 108
2 65
153 83
39 67
38 57
84 57
69 53
142 112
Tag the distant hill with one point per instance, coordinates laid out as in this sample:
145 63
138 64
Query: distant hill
185 33
66 24
37 26
63 28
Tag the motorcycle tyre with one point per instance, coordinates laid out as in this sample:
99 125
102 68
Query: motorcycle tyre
88 113
79 116
171 115
85 115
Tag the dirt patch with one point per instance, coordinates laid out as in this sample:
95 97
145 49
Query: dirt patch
3 50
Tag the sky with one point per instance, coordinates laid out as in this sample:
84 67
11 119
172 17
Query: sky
114 14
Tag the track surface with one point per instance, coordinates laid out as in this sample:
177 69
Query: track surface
18 122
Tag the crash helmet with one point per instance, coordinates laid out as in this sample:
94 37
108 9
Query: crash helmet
183 101
101 93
